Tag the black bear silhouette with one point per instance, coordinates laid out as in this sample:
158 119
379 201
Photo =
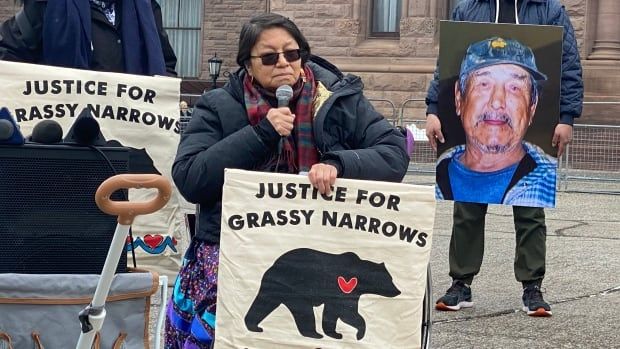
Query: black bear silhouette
304 278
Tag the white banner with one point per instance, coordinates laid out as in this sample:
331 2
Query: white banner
302 270
138 111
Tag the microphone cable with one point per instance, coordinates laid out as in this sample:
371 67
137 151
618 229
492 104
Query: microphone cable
124 193
280 147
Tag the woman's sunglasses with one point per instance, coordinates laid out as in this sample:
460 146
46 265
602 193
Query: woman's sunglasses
272 58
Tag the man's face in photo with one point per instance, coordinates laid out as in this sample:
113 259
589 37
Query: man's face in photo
495 109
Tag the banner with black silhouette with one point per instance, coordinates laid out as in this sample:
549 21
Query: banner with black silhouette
139 112
302 270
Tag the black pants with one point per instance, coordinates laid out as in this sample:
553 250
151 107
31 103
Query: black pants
467 242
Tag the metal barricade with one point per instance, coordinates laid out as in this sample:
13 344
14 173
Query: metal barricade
593 158
423 156
406 104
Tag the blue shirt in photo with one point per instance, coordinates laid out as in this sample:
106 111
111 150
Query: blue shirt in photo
474 186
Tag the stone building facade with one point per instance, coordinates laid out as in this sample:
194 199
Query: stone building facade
397 69
400 69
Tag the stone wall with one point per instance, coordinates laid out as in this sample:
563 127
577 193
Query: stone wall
335 30
7 9
221 29
394 70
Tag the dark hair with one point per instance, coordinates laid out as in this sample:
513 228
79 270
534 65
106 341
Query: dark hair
252 30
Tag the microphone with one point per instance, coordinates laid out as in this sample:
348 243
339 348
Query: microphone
6 130
85 130
46 132
284 94
9 131
113 143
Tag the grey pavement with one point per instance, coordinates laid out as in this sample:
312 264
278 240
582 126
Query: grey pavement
582 281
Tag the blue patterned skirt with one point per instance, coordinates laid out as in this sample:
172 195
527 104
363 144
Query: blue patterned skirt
190 313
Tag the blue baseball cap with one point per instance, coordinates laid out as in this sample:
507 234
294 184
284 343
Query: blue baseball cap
496 50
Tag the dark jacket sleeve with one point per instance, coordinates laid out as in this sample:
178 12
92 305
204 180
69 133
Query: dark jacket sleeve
20 40
432 95
571 93
170 57
205 151
377 149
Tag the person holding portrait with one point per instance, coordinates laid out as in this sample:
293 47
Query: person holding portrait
467 239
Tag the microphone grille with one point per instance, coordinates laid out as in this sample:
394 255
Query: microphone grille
284 92
86 129
6 129
47 132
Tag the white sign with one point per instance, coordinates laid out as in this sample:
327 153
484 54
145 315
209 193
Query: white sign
138 111
302 270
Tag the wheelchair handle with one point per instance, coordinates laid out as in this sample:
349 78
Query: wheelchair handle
127 210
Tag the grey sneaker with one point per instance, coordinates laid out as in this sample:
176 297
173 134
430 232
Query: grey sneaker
533 302
458 296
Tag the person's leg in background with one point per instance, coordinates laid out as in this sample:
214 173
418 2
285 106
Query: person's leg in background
530 251
466 253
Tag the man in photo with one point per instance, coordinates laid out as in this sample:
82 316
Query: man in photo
495 98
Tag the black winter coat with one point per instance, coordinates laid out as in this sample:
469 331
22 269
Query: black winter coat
346 127
20 44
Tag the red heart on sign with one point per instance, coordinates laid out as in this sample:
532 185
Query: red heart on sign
347 286
153 241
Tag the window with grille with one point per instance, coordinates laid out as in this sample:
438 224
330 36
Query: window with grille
182 20
385 18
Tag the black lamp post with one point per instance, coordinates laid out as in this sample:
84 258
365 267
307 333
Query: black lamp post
215 64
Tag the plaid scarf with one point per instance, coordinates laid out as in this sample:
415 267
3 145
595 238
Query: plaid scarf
299 147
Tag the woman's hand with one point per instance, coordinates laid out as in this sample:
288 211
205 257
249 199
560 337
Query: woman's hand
322 177
282 120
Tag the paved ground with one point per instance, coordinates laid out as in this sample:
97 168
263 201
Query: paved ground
582 283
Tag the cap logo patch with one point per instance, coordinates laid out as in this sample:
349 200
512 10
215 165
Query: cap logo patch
498 43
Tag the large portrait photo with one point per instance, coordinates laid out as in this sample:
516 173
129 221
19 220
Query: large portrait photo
498 106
